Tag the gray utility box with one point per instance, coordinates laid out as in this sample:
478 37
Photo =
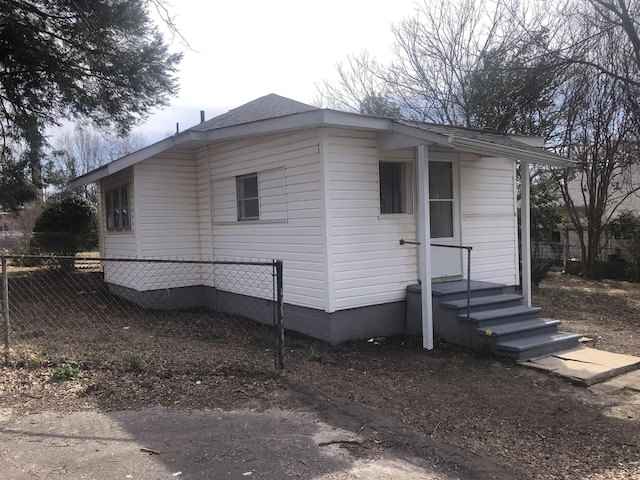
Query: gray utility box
413 325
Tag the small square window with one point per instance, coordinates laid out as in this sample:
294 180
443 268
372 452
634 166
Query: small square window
248 197
396 192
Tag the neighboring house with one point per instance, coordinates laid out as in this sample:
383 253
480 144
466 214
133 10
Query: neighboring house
624 196
332 194
9 232
7 224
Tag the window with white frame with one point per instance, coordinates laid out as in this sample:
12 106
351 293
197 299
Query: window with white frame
441 199
116 202
396 187
248 197
255 197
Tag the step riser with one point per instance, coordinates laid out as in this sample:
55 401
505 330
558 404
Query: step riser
539 351
447 297
499 321
484 308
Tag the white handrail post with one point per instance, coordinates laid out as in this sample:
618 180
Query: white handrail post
525 230
424 223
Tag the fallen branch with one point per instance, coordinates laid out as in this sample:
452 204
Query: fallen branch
343 442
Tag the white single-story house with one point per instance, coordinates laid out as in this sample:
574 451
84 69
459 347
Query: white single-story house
332 194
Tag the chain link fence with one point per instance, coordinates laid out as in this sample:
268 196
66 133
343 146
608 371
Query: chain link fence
102 310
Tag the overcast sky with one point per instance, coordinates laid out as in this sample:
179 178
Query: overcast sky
243 50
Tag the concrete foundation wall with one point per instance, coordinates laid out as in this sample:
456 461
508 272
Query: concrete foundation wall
353 324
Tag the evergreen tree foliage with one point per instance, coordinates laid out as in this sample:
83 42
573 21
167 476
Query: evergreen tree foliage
103 61
15 187
513 91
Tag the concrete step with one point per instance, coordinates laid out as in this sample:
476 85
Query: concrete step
484 303
520 329
538 345
501 315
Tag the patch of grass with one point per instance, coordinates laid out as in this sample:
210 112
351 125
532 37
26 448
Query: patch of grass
101 338
65 372
38 362
134 364
213 336
34 334
263 336
148 384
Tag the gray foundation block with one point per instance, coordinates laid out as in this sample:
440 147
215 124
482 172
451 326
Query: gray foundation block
353 324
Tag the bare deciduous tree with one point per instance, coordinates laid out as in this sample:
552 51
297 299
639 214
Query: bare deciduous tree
568 71
84 149
26 217
440 57
601 135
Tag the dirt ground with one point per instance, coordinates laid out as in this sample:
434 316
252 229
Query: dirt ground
498 419
607 311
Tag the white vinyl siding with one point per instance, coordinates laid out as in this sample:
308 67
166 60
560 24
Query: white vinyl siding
291 215
273 195
224 200
489 218
368 265
168 206
166 226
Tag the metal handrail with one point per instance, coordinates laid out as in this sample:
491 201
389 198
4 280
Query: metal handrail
460 247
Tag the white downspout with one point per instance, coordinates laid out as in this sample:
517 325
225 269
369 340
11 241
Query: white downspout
525 230
424 237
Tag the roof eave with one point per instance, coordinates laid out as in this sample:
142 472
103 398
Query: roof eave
137 156
310 119
540 158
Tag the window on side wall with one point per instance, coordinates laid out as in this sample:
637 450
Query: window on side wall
248 197
396 187
116 202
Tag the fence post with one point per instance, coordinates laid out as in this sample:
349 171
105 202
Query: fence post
279 316
5 307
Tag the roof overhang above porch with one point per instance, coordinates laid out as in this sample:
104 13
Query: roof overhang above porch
513 147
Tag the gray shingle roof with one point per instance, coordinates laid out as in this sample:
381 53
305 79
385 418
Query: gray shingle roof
275 106
263 108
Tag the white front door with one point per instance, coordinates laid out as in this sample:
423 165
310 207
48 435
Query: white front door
444 208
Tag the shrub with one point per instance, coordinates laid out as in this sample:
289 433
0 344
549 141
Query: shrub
66 226
626 228
24 247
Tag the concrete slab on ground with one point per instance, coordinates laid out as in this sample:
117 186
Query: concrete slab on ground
585 366
630 381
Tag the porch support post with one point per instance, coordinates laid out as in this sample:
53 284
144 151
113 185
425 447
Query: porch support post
424 237
525 230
